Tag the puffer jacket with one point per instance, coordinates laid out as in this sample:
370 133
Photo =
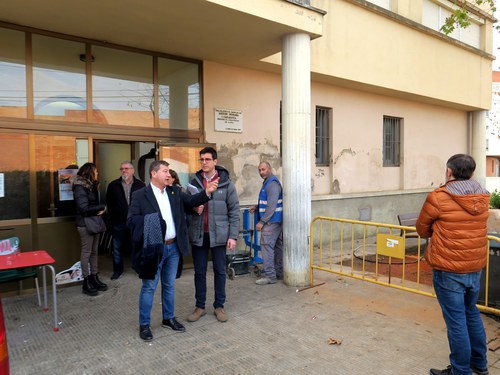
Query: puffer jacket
86 197
454 216
223 212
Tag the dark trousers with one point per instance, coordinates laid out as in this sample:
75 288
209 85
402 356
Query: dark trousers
200 260
121 238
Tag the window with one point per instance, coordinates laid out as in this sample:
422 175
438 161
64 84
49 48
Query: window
12 74
59 84
323 152
386 4
392 141
122 93
434 14
14 177
179 94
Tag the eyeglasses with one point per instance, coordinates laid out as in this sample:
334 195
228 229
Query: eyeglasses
203 160
124 169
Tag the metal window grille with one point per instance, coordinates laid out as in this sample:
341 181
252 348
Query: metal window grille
392 141
323 137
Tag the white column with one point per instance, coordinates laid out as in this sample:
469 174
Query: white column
478 151
296 117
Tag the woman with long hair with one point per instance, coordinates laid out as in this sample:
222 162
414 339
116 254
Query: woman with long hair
86 195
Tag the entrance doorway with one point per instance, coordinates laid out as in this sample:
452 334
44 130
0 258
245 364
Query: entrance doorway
109 155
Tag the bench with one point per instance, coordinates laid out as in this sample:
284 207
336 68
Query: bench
408 220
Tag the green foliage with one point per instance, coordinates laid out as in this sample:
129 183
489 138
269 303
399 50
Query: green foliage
460 18
495 199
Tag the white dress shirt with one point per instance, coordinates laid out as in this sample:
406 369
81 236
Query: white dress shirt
166 211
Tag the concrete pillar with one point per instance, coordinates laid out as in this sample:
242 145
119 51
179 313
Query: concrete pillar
296 117
478 151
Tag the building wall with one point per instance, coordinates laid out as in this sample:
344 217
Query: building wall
393 53
430 135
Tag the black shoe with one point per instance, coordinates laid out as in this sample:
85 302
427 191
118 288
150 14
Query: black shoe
145 333
116 275
88 288
174 324
477 371
98 284
446 371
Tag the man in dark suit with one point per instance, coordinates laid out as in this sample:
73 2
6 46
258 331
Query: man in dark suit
157 221
117 201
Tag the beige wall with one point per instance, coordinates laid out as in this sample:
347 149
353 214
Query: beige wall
258 96
431 134
364 47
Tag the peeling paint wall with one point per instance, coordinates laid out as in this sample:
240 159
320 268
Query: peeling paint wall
431 134
258 96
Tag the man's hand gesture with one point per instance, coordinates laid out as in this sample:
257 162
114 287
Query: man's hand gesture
212 186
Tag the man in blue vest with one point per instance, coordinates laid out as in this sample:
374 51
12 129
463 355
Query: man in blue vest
270 225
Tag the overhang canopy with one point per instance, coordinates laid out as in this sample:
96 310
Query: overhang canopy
233 32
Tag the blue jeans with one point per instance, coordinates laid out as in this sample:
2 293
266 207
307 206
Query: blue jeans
120 234
167 270
457 294
200 261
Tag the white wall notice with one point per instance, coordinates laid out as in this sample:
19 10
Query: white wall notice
228 120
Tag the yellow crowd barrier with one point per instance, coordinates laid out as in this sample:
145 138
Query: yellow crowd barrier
384 254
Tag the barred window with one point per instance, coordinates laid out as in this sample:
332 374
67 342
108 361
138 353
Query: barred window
392 141
323 137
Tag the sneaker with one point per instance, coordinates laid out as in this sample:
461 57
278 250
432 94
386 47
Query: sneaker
265 281
197 314
221 315
145 333
446 371
477 371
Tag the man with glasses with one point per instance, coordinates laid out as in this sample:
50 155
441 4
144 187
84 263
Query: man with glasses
118 200
214 229
157 220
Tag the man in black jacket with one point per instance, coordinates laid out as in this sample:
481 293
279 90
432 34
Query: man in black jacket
157 221
118 198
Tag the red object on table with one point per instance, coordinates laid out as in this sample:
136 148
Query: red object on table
39 258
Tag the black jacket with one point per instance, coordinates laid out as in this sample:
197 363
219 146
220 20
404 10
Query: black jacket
117 202
86 196
143 203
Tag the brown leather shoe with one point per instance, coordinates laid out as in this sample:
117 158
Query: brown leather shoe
197 314
221 315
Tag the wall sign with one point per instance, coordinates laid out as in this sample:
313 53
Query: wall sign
228 120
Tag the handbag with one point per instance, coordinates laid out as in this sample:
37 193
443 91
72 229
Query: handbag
94 224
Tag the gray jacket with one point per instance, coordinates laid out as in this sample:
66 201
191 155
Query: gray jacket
223 212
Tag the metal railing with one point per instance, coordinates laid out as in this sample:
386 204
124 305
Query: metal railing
380 253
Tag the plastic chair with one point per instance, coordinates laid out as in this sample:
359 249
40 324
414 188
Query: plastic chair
11 246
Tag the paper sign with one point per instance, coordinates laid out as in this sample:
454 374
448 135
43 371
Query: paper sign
228 120
390 245
65 183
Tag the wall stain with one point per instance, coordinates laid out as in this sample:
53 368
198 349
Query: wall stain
344 151
242 161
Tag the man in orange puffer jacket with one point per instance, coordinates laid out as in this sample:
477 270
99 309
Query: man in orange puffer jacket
454 216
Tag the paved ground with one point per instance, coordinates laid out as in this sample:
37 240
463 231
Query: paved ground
273 329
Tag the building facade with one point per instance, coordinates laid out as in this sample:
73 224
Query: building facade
356 104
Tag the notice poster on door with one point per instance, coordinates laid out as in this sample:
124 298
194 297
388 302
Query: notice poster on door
2 190
65 179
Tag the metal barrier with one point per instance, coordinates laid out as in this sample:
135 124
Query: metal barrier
379 253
